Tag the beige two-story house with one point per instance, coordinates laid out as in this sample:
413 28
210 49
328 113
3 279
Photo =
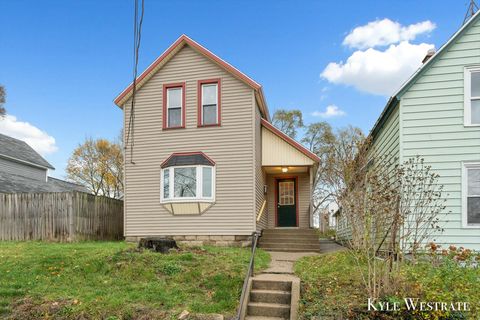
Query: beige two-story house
203 162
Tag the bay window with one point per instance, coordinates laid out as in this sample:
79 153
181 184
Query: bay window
472 96
209 102
188 183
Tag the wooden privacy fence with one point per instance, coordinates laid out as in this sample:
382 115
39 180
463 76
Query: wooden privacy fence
65 216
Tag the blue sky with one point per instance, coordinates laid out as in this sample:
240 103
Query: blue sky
63 62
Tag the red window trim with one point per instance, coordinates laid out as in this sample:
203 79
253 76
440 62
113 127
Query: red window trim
165 116
218 81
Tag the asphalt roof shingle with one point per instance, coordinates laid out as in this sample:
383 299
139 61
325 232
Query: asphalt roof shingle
20 150
12 183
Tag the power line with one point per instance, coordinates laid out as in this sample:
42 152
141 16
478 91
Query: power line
471 10
137 36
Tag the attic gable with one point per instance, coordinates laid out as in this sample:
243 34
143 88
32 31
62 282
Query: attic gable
164 58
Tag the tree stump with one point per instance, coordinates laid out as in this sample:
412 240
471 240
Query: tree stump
162 245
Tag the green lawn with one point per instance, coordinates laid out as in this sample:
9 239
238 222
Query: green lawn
332 288
113 280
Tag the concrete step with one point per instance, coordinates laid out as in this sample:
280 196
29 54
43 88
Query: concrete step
290 231
289 247
271 285
268 309
263 318
289 237
290 243
270 296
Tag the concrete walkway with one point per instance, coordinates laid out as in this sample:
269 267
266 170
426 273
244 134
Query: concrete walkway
282 262
328 246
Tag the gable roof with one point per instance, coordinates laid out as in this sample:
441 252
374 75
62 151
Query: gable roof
174 49
18 150
290 141
395 98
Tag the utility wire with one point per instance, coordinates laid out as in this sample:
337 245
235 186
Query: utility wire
137 36
471 10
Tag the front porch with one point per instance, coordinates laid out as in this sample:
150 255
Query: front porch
288 171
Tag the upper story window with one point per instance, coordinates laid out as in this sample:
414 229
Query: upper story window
174 106
188 177
471 195
472 96
209 102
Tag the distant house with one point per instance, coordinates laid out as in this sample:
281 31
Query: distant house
436 115
207 164
22 169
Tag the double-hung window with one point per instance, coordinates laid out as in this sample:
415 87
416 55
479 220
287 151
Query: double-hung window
209 102
174 106
471 195
472 96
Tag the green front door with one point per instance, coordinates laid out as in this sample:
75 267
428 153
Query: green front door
286 203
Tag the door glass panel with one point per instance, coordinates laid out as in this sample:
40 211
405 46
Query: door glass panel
286 193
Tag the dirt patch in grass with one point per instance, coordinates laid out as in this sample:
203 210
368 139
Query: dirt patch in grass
114 280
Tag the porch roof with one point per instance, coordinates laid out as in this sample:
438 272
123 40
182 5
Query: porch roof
278 149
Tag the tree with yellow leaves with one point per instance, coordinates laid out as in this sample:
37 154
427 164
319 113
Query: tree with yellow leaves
98 165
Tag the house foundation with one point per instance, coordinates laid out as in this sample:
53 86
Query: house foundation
204 240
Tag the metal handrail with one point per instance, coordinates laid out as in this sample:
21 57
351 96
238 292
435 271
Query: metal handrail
249 274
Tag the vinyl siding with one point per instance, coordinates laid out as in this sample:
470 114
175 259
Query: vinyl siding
387 142
24 170
277 152
231 146
260 176
304 192
432 127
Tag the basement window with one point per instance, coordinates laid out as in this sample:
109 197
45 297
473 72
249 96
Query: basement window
472 96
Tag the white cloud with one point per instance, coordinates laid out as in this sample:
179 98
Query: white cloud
39 140
378 72
385 32
330 112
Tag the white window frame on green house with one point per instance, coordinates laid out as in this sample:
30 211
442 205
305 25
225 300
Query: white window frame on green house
465 194
199 185
468 98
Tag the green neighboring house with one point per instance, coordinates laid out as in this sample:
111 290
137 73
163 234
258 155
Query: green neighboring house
436 115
